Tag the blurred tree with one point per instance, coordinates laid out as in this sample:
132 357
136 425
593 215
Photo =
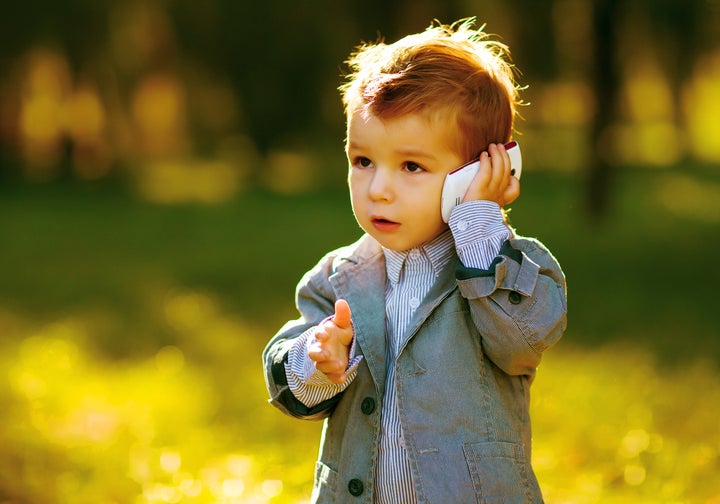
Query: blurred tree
605 80
535 43
268 71
682 32
34 24
285 58
627 35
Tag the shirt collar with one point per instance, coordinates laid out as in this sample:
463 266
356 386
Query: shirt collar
438 251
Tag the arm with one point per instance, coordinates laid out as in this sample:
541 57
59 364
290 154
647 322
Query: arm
515 287
518 304
306 362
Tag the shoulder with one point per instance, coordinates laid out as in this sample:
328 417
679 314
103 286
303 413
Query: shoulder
537 252
529 245
363 250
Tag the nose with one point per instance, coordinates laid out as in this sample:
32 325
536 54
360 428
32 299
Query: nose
381 186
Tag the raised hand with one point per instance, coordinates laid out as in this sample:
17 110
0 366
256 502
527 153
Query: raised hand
493 181
331 348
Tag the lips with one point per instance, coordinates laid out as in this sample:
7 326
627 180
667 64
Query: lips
383 224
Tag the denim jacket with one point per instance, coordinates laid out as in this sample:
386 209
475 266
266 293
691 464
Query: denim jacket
463 373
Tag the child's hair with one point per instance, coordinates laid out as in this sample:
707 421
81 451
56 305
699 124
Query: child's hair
447 69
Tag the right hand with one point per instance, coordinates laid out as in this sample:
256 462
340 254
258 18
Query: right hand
331 349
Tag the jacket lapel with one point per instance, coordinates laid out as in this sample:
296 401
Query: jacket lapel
361 282
441 289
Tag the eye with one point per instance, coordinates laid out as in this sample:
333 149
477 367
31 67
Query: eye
413 167
362 162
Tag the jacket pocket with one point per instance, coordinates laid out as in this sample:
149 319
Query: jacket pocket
325 484
501 474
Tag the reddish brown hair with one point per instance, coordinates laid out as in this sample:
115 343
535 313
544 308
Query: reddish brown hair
447 69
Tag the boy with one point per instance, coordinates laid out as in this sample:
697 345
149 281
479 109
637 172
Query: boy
418 343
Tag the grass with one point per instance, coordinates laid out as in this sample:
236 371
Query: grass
130 336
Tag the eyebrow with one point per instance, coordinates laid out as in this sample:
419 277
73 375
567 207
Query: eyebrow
408 152
417 154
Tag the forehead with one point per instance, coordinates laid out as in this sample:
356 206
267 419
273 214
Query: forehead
437 129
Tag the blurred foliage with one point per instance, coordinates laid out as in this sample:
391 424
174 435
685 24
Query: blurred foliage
83 430
131 332
168 170
630 431
224 89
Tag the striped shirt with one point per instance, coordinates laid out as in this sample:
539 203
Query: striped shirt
476 232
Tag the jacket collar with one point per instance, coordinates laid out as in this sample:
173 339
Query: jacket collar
438 251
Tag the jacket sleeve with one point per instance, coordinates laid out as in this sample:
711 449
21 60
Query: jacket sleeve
315 300
518 304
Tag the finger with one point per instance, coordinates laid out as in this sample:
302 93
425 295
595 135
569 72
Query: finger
343 315
506 167
512 191
501 164
330 367
489 180
321 334
317 353
504 156
338 378
485 172
478 186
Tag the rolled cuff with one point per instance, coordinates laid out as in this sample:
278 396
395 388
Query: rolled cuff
479 230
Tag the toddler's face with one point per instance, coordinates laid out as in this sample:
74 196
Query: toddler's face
397 170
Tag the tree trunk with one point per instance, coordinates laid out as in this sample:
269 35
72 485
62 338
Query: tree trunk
606 83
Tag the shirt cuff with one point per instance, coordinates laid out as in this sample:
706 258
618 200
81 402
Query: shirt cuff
479 231
309 385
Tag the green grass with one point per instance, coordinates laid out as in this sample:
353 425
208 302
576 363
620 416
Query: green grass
130 336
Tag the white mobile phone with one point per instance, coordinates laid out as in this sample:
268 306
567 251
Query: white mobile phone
458 180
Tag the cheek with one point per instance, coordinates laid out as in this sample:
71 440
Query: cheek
426 206
353 185
430 194
357 201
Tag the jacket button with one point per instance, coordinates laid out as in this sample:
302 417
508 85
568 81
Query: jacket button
355 487
368 405
514 297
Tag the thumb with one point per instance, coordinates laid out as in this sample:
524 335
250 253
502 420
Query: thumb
342 314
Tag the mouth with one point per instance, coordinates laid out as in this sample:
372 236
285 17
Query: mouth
384 225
